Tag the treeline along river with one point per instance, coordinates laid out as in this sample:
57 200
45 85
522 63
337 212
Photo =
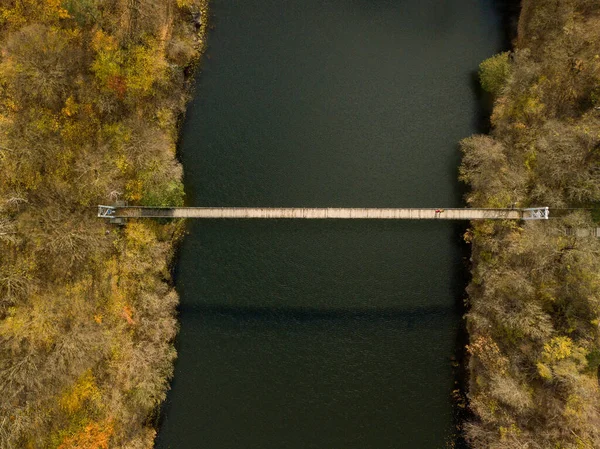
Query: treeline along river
325 334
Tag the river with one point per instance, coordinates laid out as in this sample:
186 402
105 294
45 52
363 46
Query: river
325 334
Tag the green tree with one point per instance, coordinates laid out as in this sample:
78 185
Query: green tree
494 73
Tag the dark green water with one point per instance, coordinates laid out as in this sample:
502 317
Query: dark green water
325 334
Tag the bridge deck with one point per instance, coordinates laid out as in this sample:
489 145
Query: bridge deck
318 213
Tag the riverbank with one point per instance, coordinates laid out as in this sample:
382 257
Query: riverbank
535 293
91 96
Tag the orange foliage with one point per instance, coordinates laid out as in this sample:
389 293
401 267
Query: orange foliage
488 353
127 313
93 436
117 84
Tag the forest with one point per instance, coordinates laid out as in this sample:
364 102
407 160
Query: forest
91 95
534 296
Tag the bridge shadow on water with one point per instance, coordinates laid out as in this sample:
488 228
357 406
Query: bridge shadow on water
306 314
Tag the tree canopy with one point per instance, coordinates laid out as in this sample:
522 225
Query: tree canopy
90 96
534 296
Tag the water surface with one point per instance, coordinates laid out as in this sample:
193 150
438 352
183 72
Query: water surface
325 334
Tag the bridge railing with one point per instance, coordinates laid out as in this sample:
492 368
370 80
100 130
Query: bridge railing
106 211
536 213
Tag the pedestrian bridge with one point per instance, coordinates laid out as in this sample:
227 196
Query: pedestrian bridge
124 212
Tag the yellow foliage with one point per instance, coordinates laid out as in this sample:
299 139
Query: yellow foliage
501 200
102 42
83 390
544 371
71 107
506 432
136 71
55 7
76 131
12 16
117 135
573 407
46 122
139 236
165 118
533 106
184 3
557 349
11 104
35 323
145 67
561 357
108 66
29 11
134 190
122 164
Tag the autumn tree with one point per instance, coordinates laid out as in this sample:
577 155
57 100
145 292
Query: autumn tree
89 107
